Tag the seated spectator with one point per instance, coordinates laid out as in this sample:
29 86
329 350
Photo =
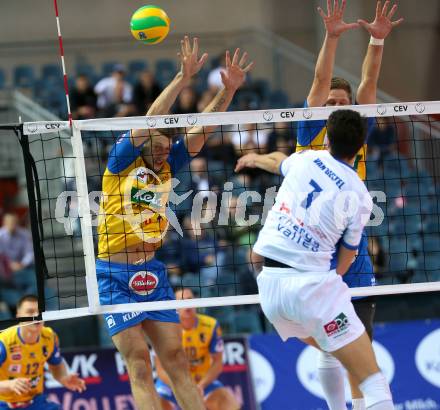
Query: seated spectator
219 148
83 99
383 137
248 138
199 251
171 252
236 231
115 94
186 102
16 244
199 176
282 138
145 91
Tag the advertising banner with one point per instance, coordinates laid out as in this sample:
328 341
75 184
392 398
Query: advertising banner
107 380
408 353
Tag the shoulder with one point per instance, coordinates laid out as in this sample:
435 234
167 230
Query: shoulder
7 334
207 321
48 334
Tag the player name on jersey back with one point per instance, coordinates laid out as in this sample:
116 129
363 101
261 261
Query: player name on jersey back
321 202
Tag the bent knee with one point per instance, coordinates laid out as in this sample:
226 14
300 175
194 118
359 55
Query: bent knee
174 360
139 365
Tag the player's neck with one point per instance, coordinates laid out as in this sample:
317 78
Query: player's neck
348 161
28 337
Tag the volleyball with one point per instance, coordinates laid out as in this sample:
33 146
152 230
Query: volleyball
150 24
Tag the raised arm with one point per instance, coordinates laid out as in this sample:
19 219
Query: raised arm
379 30
335 26
267 162
190 65
233 77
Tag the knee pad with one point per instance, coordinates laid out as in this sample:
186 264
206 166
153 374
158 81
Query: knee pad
327 361
375 389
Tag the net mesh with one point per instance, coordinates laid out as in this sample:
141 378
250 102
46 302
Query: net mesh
214 213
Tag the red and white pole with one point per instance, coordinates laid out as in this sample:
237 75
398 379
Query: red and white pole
60 39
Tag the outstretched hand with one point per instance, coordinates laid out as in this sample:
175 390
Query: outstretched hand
234 74
334 19
246 161
382 24
74 383
190 64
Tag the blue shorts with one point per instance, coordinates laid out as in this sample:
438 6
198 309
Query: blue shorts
40 402
165 391
121 283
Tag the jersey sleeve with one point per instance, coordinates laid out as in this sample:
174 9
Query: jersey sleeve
179 156
308 131
216 345
287 164
55 358
123 154
2 353
356 224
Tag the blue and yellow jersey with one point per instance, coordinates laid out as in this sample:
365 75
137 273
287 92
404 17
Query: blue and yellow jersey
313 135
134 198
19 359
200 342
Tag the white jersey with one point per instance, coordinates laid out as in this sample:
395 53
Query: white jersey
321 202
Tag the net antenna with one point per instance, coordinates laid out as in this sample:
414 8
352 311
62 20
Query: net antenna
63 63
418 114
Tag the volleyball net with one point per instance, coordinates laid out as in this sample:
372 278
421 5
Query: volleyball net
207 216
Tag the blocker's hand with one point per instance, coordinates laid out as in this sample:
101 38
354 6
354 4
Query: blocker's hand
234 75
246 161
382 24
334 19
74 383
190 64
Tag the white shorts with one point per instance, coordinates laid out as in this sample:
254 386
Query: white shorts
306 305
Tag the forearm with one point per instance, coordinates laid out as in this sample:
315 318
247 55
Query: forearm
197 136
345 259
5 387
367 91
219 103
166 99
270 162
59 371
161 106
323 72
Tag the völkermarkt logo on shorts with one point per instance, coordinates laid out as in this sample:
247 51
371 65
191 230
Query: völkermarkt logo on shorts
428 358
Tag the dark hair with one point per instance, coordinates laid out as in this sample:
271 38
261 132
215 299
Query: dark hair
346 131
26 298
339 83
